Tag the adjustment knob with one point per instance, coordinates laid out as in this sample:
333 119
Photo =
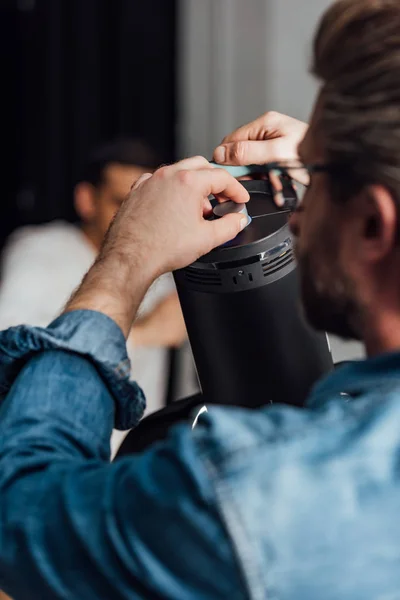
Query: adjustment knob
225 208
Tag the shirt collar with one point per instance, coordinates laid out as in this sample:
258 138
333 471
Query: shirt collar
356 378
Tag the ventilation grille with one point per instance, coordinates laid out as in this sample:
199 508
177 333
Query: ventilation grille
278 263
202 277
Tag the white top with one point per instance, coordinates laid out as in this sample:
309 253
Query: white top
42 266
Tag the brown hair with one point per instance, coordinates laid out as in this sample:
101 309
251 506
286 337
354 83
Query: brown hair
357 58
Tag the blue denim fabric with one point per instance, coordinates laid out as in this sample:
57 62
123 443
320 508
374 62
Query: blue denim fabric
279 503
89 334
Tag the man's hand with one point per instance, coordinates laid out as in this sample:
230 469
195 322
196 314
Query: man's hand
271 137
163 218
159 228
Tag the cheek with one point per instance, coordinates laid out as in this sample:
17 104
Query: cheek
316 246
305 226
307 246
316 216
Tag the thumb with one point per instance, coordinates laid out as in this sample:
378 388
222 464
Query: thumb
225 229
248 152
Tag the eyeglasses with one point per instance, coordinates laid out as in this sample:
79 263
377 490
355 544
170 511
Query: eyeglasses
281 174
284 167
298 174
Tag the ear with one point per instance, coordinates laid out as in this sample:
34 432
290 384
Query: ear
85 201
375 211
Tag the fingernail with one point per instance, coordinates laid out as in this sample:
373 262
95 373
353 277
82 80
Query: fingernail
243 223
279 199
219 154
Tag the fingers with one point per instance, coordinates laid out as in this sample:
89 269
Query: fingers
277 188
207 210
217 182
225 229
247 152
271 137
192 163
196 172
264 127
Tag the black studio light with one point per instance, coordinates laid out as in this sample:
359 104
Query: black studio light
250 341
243 315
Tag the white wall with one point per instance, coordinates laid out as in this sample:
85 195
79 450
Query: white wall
292 24
222 66
237 59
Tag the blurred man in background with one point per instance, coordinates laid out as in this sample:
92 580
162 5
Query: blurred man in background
42 265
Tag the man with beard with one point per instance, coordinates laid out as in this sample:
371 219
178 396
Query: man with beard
274 503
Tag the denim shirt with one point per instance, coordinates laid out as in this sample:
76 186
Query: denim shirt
278 503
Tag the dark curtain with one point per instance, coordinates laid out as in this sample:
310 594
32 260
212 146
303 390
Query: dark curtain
78 72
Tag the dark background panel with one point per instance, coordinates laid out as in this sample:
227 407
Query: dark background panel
76 73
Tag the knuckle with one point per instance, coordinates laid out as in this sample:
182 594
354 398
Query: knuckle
162 172
228 138
271 116
185 177
201 159
238 152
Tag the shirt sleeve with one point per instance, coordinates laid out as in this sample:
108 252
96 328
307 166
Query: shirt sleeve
71 524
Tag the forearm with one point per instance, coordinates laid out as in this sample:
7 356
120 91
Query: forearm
163 327
107 288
